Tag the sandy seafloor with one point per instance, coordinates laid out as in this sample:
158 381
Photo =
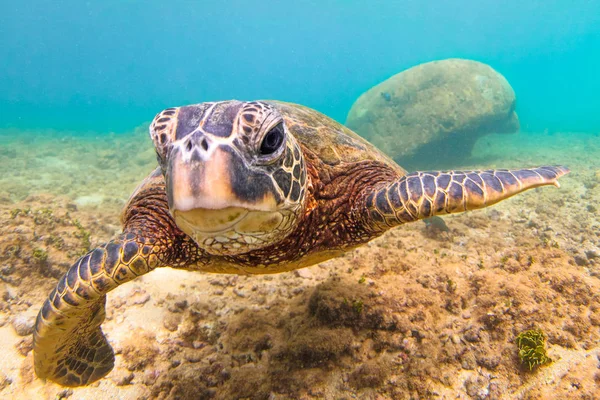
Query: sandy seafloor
417 313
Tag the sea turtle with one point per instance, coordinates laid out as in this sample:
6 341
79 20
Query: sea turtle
248 188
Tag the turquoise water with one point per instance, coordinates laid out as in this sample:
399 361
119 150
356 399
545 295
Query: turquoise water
111 65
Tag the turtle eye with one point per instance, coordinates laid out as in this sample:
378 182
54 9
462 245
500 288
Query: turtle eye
272 140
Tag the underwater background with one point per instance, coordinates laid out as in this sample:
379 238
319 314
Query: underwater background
111 65
428 310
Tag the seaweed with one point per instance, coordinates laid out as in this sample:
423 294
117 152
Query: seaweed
358 306
532 350
40 255
45 216
14 213
84 235
56 241
450 285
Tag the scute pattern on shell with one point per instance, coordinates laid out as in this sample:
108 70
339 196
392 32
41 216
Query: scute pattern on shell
329 140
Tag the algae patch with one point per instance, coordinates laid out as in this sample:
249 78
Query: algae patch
532 349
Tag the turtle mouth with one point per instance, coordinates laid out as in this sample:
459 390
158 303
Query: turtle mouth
233 230
209 221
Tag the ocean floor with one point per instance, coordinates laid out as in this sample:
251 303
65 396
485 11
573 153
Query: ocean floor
417 313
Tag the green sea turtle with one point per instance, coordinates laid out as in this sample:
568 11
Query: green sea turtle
248 188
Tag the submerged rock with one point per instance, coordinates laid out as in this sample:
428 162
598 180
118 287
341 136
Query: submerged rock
4 381
23 324
438 107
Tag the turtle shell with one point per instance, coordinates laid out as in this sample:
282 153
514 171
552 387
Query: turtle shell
329 140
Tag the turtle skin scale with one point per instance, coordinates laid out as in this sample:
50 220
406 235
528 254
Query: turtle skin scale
333 192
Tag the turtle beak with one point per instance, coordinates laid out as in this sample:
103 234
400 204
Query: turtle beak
205 175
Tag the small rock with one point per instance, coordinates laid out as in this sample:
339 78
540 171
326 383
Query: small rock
490 362
122 378
7 270
9 293
149 377
197 344
581 261
192 357
303 273
455 339
171 322
63 394
468 361
178 306
476 388
26 371
118 302
218 282
4 381
139 298
23 324
592 254
25 345
472 335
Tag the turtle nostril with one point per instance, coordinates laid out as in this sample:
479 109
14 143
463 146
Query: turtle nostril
204 144
188 146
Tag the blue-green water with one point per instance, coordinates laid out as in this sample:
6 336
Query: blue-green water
110 65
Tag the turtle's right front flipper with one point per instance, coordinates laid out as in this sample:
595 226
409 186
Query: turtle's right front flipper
69 347
422 195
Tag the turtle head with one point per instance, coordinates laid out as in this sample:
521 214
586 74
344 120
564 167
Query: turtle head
235 176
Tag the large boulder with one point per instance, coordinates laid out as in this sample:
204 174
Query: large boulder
436 109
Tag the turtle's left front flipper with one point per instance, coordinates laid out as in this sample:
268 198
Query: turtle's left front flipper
424 194
69 346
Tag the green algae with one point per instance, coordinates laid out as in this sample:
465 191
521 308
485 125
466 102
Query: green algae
532 350
40 255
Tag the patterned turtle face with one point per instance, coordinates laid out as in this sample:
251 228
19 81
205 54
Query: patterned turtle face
236 178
